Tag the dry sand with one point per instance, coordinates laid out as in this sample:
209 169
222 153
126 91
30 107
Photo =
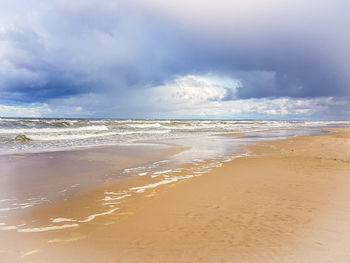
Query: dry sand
287 202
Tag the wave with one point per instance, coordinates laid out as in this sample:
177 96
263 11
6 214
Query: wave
53 130
9 120
64 123
144 132
35 135
59 137
68 136
145 125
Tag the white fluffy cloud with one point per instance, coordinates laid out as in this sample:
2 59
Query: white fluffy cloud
194 89
208 96
32 110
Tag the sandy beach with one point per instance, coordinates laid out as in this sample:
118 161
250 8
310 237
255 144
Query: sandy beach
288 201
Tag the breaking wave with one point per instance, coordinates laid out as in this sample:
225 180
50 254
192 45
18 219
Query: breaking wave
52 130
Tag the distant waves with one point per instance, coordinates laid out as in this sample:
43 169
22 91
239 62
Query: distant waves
33 135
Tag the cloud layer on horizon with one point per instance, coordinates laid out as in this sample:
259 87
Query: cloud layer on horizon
110 58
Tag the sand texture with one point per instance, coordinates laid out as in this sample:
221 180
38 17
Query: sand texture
287 202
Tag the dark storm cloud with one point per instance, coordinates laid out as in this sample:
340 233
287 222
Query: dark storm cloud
64 48
84 49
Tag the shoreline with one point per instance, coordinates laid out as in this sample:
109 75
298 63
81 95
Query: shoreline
241 211
61 175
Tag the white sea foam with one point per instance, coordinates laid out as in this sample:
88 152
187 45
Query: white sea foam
114 193
57 137
9 120
47 228
7 200
129 170
62 219
16 205
69 136
8 209
146 125
161 162
141 189
86 220
164 172
109 198
92 217
52 130
8 227
145 132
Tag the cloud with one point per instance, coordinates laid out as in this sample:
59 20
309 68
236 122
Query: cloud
33 110
204 96
104 55
190 96
196 89
302 43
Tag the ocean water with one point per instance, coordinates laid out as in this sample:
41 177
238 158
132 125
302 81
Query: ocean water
38 135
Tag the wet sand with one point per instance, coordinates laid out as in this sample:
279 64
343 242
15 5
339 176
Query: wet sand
230 134
62 174
286 202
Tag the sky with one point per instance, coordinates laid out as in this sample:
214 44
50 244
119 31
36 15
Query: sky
223 59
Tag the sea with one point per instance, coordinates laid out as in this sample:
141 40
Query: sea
19 135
